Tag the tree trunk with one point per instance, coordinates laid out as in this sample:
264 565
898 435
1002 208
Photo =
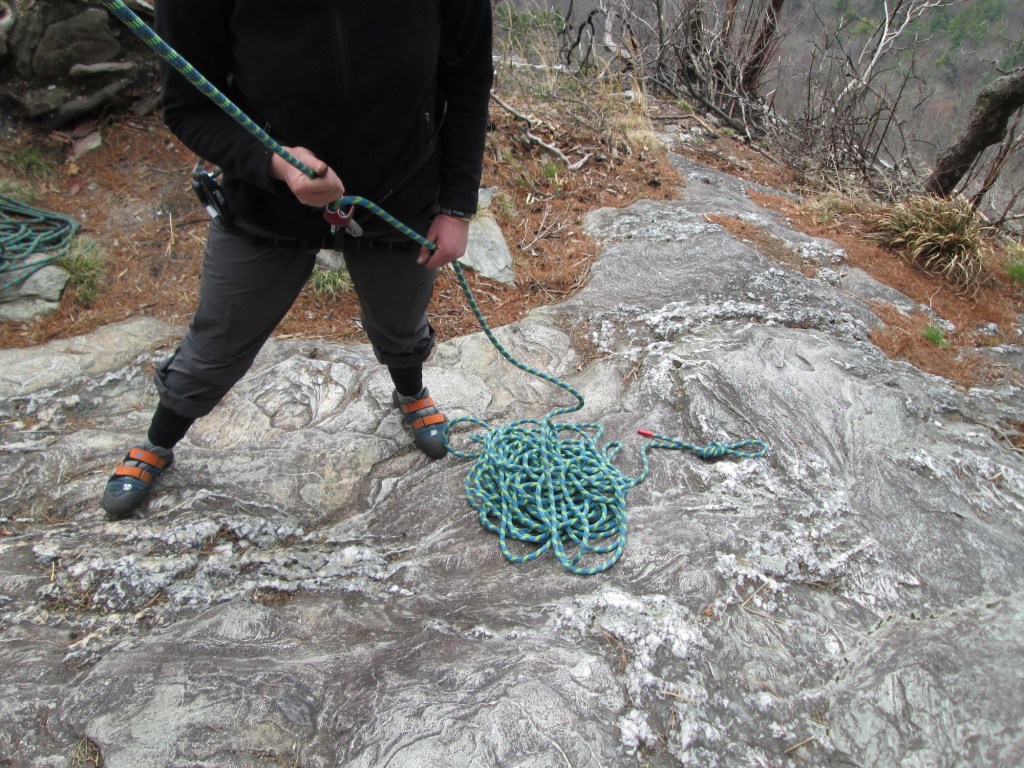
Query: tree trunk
730 14
763 48
986 125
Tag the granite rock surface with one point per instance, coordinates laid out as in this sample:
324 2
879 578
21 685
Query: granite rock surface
306 589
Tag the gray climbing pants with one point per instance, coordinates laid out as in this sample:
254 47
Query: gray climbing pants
246 289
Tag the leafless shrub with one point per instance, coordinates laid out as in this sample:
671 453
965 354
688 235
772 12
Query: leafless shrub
715 53
861 92
590 99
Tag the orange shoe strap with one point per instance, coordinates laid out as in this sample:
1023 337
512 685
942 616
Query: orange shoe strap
426 421
148 457
126 469
419 405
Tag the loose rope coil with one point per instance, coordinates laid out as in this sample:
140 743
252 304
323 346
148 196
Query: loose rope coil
30 239
530 485
527 483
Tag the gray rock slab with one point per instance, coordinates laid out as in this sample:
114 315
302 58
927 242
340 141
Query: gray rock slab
38 295
304 689
911 697
85 38
487 251
24 371
65 61
304 588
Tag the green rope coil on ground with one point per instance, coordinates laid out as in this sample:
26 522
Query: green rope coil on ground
531 485
528 483
30 239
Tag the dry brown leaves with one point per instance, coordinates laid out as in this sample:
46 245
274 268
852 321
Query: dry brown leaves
132 197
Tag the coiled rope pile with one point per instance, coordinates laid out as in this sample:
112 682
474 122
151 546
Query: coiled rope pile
30 239
527 484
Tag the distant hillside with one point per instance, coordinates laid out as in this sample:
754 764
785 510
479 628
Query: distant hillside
954 49
957 49
914 103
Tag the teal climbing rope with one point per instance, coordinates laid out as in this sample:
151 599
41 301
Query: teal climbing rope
30 239
528 483
564 495
157 44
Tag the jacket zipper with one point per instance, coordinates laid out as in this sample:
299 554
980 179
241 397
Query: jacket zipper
342 84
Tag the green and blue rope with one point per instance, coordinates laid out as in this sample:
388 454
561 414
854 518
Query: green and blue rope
528 484
30 239
157 44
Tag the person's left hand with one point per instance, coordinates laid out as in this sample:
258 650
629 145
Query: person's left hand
451 236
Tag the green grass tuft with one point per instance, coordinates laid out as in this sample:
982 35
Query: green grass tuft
934 335
86 263
1015 270
17 191
1015 264
330 284
31 163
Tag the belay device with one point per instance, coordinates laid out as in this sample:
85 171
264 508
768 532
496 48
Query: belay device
208 190
527 484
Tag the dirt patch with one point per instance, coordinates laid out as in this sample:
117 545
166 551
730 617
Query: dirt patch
766 243
1013 433
916 338
133 197
989 317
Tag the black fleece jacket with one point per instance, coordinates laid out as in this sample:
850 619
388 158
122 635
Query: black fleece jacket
392 94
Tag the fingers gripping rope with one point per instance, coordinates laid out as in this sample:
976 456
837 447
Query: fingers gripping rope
527 483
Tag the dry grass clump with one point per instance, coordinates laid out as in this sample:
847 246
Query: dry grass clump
85 263
833 208
943 235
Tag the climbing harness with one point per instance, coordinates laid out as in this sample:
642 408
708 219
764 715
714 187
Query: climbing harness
527 483
30 239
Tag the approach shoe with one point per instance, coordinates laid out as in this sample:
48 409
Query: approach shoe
129 486
427 423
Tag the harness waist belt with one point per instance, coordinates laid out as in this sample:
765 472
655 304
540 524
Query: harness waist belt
329 241
356 244
300 244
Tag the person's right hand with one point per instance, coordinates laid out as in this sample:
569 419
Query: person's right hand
318 192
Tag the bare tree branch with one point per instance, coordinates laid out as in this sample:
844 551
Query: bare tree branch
986 125
533 139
